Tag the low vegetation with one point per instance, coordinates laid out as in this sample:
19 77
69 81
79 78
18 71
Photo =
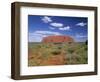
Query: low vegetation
43 54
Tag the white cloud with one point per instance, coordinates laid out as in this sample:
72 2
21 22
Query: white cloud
34 39
56 24
47 33
52 28
60 26
80 35
46 19
37 36
81 24
65 28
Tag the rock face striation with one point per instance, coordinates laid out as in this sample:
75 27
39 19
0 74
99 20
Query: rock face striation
57 39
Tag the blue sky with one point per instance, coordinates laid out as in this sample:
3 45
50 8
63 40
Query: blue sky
40 26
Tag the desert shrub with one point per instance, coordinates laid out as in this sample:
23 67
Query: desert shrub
56 52
32 63
45 55
59 47
70 50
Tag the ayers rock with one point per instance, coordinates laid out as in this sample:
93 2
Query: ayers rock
58 39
